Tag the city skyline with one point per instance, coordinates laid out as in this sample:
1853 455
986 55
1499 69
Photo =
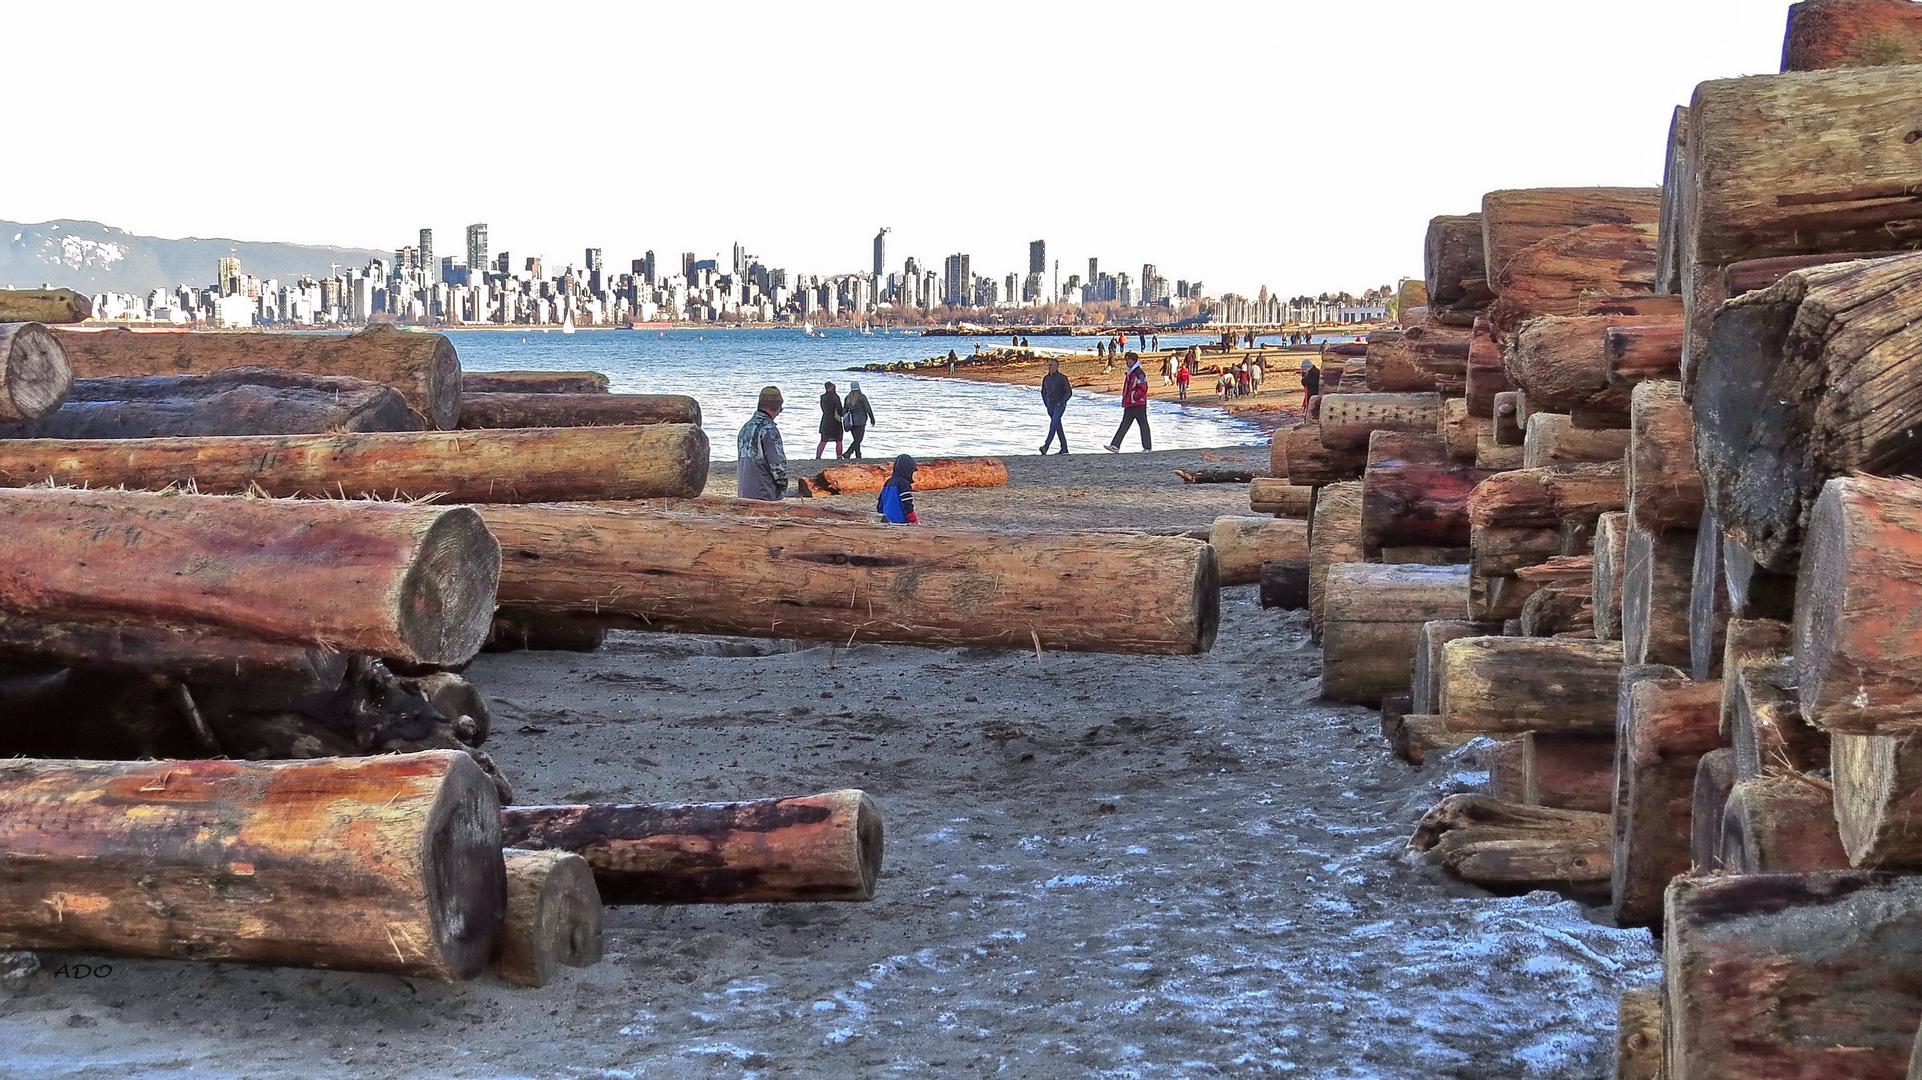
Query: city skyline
1294 167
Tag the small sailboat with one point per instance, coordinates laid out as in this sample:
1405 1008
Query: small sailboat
567 320
807 329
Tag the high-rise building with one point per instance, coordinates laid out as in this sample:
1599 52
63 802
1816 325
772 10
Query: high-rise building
593 260
960 281
688 259
229 276
1037 256
650 272
477 249
880 253
533 267
740 258
1094 270
427 249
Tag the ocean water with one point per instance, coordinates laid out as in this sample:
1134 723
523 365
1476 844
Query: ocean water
725 369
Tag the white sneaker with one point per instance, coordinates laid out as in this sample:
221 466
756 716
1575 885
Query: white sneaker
1113 449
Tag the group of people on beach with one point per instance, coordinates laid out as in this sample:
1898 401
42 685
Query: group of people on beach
760 469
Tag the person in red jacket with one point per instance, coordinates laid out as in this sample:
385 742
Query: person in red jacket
1134 405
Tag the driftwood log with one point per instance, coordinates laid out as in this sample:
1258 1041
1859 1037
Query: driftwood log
34 376
1516 220
550 409
1665 725
801 849
1515 684
532 382
1858 600
1275 495
237 401
388 864
1567 273
930 474
1511 847
1347 420
1334 536
44 306
1826 34
1243 544
1372 620
553 917
1543 497
1284 585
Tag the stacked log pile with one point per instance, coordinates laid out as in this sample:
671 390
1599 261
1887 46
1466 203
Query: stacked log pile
1687 620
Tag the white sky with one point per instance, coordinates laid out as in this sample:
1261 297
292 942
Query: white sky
1301 145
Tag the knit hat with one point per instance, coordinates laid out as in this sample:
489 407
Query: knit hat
770 398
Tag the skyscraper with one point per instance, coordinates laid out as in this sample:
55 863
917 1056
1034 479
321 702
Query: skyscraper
229 275
650 271
880 253
427 250
593 260
1094 270
1037 256
477 249
960 281
740 258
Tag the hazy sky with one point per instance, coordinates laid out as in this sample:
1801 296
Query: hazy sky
1298 145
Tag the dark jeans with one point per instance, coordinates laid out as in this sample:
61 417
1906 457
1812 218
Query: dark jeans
857 431
1054 429
1130 415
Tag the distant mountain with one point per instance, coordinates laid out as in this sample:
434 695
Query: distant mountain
90 257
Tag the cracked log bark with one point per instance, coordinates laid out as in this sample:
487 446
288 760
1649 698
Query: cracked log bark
1858 608
550 409
423 367
850 581
237 401
802 849
388 864
1513 684
1665 725
34 374
532 382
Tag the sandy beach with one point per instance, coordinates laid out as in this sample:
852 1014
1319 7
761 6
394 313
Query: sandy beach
1152 867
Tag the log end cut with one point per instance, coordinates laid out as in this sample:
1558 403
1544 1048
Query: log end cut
447 597
34 375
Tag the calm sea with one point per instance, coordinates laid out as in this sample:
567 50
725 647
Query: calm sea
725 369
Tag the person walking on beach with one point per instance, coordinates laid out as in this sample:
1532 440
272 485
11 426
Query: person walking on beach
896 501
830 424
1055 393
856 415
760 469
1310 381
1168 369
1182 378
1108 368
1134 406
1254 375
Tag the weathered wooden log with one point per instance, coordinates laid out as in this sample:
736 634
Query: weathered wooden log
1243 544
1797 387
1496 458
1460 432
1611 567
1334 536
512 465
1427 356
1486 375
1793 975
423 367
1578 536
413 582
1668 253
1416 495
1878 799
171 652
1454 263
929 475
1567 571
1372 620
237 401
1511 847
532 382
1425 693
553 917
1511 424
387 863
1304 460
1421 735
34 375
1765 725
1515 220
1503 684
1499 599
801 849
1503 551
1825 34
1641 1046
1348 419
44 306
547 409
1554 610
1714 779
1411 297
1215 476
1659 568
795 509
1751 643
1752 275
1641 305
1284 584
1858 600
1639 351
1543 497
1566 273
1551 439
1664 489
1664 726
1781 825
1562 362
849 581
1507 773
1275 495
1569 772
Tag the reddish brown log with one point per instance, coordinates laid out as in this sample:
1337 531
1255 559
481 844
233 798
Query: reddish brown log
802 849
1566 273
1427 356
1562 363
1858 603
1781 825
1655 596
1665 724
1304 460
930 474
1569 772
1543 497
532 382
1414 494
388 863
547 409
1486 375
422 367
413 582
1513 221
1503 551
1852 33
1243 544
1642 351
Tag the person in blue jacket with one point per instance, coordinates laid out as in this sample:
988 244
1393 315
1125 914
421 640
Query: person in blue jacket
897 495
